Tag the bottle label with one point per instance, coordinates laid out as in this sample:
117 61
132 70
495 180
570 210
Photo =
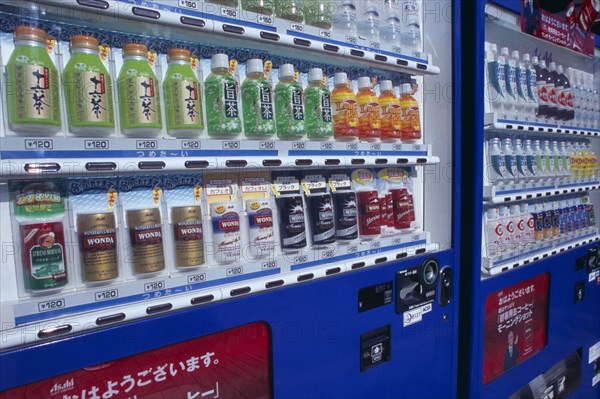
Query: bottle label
510 163
511 80
522 84
141 100
43 255
552 95
260 222
91 102
391 116
36 89
266 102
499 165
543 92
226 231
326 106
230 100
497 77
569 98
522 166
297 109
566 164
344 113
369 115
532 165
532 88
186 106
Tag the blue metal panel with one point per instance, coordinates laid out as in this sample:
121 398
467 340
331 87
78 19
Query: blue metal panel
315 334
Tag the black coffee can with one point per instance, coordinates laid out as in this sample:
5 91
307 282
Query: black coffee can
292 227
346 222
320 212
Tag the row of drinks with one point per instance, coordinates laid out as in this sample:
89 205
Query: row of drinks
139 226
518 161
395 22
287 111
520 226
528 88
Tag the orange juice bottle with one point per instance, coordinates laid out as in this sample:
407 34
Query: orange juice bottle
343 109
391 123
369 117
409 109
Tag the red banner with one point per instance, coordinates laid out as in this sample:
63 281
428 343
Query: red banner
515 325
229 364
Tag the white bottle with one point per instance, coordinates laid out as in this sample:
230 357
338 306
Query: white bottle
510 160
523 104
344 18
390 31
497 79
494 233
565 159
368 20
540 160
411 25
497 169
573 76
509 229
511 81
549 158
532 89
517 226
557 160
523 171
528 224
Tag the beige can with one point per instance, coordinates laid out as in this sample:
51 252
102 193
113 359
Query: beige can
188 236
145 233
98 247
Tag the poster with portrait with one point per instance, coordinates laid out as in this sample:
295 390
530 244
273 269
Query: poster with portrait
515 325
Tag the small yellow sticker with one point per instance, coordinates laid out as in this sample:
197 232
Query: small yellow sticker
268 67
50 43
194 62
111 195
104 51
151 57
232 66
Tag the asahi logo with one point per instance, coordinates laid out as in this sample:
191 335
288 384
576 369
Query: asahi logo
60 388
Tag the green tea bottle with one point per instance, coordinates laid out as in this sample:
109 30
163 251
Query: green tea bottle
259 6
221 92
183 104
318 13
291 10
88 89
139 98
317 107
257 102
289 112
33 103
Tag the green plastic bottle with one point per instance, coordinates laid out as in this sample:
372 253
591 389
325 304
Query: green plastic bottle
33 103
317 107
226 3
139 98
257 102
88 89
183 104
289 112
259 6
291 10
318 13
221 92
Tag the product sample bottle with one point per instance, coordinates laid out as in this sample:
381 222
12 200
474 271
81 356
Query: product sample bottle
226 3
409 107
391 121
344 110
33 103
291 10
188 236
411 29
510 160
511 81
183 102
390 22
146 237
532 93
318 13
317 107
257 102
222 110
139 98
292 227
497 78
344 18
88 89
259 6
497 162
98 247
553 85
368 20
369 114
542 78
289 111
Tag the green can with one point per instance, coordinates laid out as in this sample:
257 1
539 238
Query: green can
222 105
289 110
257 102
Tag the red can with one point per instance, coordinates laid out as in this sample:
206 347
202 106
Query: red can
587 14
369 213
389 200
404 211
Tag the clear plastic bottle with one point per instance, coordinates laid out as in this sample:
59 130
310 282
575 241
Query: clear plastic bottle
368 20
318 13
565 157
369 113
557 160
521 159
565 96
511 81
530 157
542 76
391 118
411 25
509 229
390 30
292 10
576 161
549 158
409 109
344 18
532 90
289 108
540 159
344 110
222 99
317 107
510 161
257 102
521 78
528 225
497 78
595 122
576 90
498 171
494 233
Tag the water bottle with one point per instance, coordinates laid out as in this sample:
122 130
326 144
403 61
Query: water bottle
390 28
368 20
344 17
411 25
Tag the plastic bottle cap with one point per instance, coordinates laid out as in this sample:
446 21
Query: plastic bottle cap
518 142
542 64
219 61
552 66
493 47
386 85
286 71
30 33
315 74
559 69
79 41
507 142
492 213
526 58
340 78
178 54
135 49
406 88
535 60
254 65
514 54
504 51
364 82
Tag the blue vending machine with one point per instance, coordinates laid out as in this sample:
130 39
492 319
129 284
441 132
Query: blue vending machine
531 290
228 199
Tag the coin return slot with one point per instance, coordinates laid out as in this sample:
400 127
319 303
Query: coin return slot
273 284
102 5
305 277
196 164
520 127
420 250
202 299
357 161
380 260
531 129
113 318
99 166
402 255
358 265
402 62
271 162
334 270
550 130
159 308
421 160
192 22
302 42
304 162
145 165
55 331
422 67
540 129
402 161
357 53
509 126
504 269
144 12
329 47
269 36
332 162
236 164
381 161
240 291
238 30
380 57
50 167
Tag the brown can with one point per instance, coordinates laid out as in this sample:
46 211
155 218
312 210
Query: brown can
188 236
98 246
145 233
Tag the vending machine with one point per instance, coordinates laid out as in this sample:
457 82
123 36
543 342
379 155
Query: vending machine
531 289
228 199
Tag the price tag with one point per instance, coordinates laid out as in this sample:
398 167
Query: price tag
38 144
297 27
192 5
229 12
325 33
265 20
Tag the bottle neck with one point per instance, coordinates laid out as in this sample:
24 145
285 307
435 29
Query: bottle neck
84 51
31 43
220 71
315 83
178 62
287 79
255 75
135 58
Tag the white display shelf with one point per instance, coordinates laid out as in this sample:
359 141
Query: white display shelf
531 191
43 317
509 260
512 124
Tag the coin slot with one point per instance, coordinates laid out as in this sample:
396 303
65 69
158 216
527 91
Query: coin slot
144 12
236 164
357 53
145 165
99 166
422 67
305 277
334 270
302 42
102 5
202 299
358 265
271 162
35 168
113 318
238 30
402 62
304 162
159 308
420 250
192 22
381 161
240 291
402 255
332 48
357 161
380 260
269 36
401 161
55 331
421 160
332 162
380 57
273 284
196 164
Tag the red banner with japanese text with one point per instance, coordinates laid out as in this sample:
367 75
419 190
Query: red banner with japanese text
515 325
230 364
